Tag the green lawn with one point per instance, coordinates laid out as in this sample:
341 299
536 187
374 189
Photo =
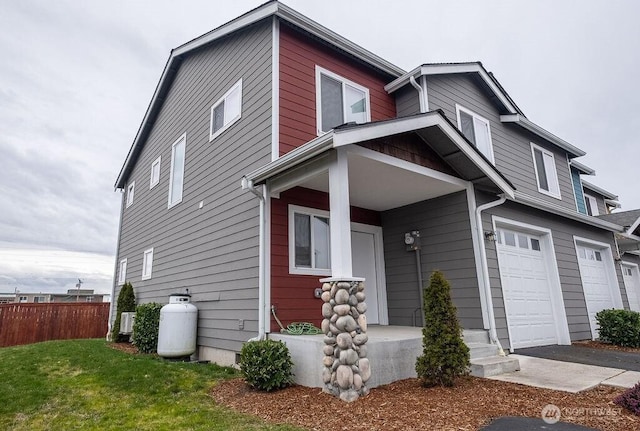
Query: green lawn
84 384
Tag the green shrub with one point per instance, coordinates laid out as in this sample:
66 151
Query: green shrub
444 354
630 399
145 327
266 365
126 303
620 327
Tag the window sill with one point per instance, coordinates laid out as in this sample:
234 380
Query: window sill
310 271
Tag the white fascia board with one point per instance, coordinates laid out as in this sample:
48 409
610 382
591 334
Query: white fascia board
633 227
584 169
545 134
563 212
603 192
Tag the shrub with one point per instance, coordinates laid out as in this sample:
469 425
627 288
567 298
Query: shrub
266 365
126 303
145 327
444 354
630 399
620 327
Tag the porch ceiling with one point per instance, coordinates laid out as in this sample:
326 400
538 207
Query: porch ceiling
379 186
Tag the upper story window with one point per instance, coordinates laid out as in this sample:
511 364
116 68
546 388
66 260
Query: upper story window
39 299
130 191
477 130
592 205
545 166
89 299
147 264
177 171
226 111
155 172
23 299
122 271
309 241
339 101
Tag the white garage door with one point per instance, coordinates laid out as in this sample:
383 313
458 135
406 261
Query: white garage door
595 283
526 290
632 285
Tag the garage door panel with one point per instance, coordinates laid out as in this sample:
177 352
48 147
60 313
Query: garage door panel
632 285
595 283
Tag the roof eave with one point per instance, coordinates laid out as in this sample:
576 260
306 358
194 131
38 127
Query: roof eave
583 169
599 190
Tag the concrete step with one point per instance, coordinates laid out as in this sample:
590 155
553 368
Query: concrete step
482 350
475 336
493 366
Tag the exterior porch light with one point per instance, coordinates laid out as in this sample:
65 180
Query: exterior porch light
490 236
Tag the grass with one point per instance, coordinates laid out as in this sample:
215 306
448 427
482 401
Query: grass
84 384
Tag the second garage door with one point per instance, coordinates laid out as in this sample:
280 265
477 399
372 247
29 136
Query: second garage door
597 291
526 289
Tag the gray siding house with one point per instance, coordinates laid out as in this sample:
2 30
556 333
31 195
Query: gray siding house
275 153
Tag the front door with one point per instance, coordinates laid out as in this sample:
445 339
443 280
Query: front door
363 254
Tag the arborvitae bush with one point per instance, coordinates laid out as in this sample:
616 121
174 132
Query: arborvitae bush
630 399
266 365
126 303
620 327
146 326
444 356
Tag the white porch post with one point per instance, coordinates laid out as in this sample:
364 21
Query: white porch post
340 216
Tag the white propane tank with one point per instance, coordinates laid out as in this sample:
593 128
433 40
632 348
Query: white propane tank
178 326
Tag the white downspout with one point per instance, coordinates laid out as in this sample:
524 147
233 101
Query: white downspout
493 333
423 107
261 195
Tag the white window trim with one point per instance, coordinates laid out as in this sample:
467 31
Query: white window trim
555 171
122 271
459 108
589 200
144 264
551 263
131 189
293 269
180 139
212 134
152 183
322 71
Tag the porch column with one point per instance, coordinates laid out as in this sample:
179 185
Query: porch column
340 216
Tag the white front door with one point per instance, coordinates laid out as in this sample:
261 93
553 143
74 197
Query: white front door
363 251
526 289
597 291
632 285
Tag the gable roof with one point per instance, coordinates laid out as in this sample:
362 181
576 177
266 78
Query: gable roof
630 220
270 9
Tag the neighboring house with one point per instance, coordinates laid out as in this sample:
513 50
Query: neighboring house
72 295
343 157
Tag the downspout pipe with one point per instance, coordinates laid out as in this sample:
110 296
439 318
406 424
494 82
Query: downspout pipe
423 107
493 333
261 195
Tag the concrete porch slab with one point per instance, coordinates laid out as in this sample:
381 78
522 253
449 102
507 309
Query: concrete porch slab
557 375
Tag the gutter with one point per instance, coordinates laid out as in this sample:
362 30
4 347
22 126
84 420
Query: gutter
493 333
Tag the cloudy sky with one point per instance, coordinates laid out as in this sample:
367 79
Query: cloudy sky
76 78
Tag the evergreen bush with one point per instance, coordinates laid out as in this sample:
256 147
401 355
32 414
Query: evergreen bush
619 327
445 356
145 327
126 303
266 365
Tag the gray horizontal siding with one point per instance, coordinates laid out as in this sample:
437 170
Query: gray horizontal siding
407 101
511 143
212 251
445 234
563 231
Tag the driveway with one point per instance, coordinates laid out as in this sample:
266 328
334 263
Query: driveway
586 355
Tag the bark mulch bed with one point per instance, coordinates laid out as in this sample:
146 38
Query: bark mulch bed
124 347
406 405
605 346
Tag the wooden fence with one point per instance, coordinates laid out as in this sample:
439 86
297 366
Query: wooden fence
32 323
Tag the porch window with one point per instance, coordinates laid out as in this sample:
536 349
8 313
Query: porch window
545 166
339 101
477 130
226 111
309 241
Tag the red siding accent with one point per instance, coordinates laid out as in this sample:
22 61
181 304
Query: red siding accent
299 55
293 294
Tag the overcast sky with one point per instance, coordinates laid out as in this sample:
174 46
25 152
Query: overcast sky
76 78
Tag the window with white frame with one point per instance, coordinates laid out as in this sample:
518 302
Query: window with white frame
226 111
147 264
477 130
545 167
309 241
176 180
155 172
89 299
592 205
23 299
130 191
39 299
339 101
122 271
